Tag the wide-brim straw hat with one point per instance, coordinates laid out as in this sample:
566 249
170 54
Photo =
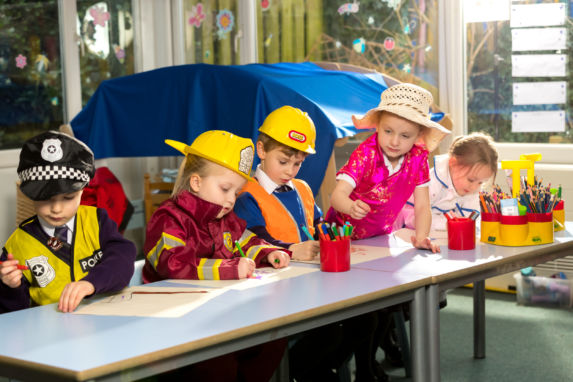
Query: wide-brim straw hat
410 102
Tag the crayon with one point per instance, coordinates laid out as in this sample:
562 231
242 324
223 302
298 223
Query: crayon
305 230
239 248
20 267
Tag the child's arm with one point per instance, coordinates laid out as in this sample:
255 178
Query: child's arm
260 251
423 219
341 202
115 268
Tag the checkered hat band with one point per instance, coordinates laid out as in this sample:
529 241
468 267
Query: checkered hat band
53 172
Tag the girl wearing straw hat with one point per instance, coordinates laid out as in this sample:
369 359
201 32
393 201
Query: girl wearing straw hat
389 167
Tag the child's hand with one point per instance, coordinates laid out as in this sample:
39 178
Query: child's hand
306 250
9 272
73 294
425 243
282 257
359 209
246 267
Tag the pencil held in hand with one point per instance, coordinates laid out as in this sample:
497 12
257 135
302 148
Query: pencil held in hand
19 266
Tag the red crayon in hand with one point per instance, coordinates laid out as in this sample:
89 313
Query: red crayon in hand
21 267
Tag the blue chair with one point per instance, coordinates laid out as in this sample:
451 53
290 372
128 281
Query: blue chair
137 278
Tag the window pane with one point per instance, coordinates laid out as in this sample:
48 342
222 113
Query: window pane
30 70
106 42
395 37
210 31
509 96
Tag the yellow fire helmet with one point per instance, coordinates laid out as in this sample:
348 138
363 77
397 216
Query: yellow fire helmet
292 127
221 147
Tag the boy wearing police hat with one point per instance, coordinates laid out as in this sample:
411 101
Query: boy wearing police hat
66 251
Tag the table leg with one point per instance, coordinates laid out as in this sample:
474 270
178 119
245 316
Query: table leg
479 319
418 335
433 331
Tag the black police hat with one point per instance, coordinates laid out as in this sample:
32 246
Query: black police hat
54 163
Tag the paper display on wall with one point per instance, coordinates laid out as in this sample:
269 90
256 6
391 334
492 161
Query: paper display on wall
539 93
538 65
480 11
538 39
538 121
538 15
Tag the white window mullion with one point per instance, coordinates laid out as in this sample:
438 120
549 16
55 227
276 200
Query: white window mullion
248 31
71 80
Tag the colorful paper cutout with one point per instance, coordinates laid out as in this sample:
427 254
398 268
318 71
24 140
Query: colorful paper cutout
370 20
196 15
100 15
119 53
225 23
389 43
359 45
41 62
268 40
348 8
265 4
21 61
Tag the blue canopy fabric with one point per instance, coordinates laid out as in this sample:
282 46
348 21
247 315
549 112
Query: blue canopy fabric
132 116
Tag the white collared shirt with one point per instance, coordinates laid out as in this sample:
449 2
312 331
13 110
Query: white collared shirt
50 229
268 185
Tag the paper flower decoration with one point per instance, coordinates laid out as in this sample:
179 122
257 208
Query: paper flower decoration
225 21
348 8
197 15
100 16
21 61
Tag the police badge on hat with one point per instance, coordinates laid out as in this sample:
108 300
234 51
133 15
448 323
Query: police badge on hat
54 163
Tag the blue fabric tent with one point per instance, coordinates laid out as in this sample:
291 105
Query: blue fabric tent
131 116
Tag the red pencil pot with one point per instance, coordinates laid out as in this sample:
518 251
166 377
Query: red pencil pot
335 255
461 234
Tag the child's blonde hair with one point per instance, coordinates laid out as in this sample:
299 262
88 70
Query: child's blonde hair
475 148
192 164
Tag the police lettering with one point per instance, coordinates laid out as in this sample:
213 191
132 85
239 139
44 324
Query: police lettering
91 261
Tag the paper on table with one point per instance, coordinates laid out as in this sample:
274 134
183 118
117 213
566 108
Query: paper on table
538 39
538 65
260 277
538 121
534 15
148 301
538 93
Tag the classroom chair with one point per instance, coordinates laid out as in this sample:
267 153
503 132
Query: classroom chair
154 193
137 278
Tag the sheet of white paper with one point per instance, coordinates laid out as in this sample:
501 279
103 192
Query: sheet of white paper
261 276
538 39
538 65
148 301
537 15
538 121
486 10
539 93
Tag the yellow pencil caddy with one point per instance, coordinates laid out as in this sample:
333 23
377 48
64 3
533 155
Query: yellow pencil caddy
559 216
517 231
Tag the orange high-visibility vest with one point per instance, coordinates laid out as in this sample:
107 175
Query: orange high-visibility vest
279 222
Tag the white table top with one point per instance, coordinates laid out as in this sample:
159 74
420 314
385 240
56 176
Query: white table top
43 340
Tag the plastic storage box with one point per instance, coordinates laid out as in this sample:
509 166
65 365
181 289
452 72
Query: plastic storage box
538 290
